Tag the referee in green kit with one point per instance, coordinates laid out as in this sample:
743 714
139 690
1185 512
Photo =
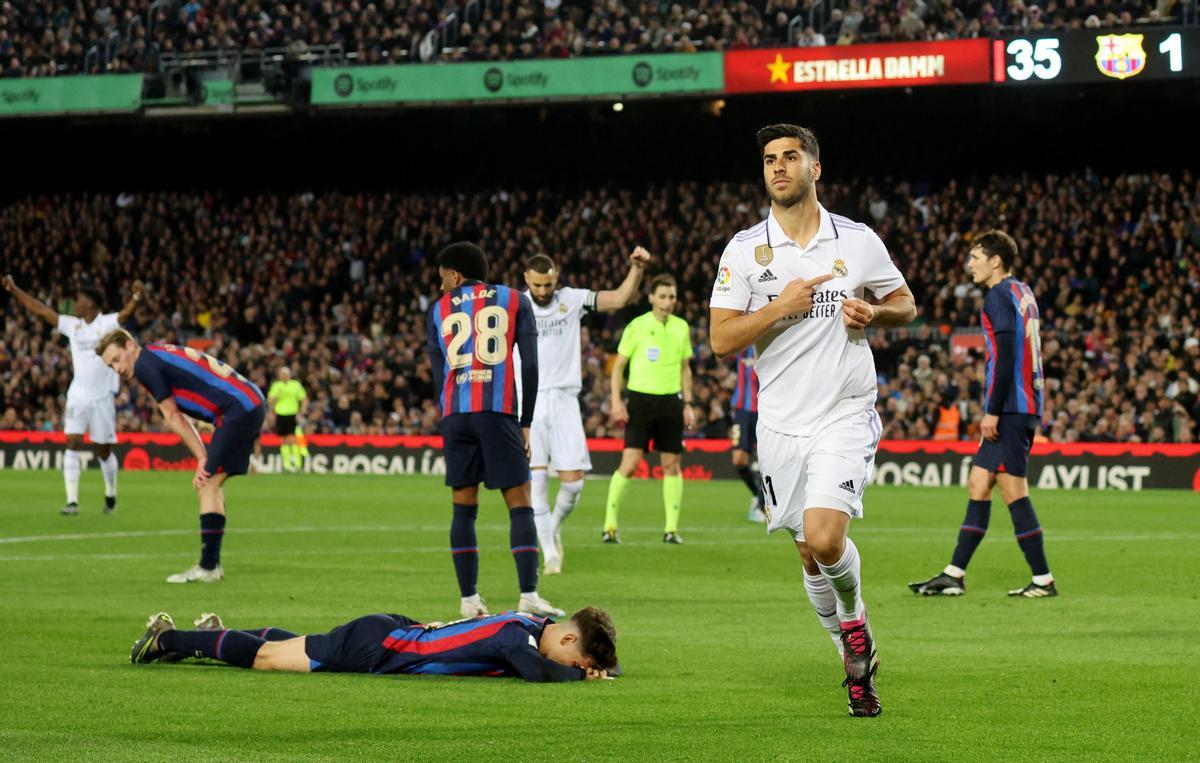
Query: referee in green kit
657 347
287 397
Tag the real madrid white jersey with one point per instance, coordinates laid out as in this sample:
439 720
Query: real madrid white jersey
92 380
559 348
812 370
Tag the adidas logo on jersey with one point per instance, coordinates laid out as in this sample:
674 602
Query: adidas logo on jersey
848 486
767 276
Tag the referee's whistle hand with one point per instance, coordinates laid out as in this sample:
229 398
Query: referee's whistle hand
797 296
619 413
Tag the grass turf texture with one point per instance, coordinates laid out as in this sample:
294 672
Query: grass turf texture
723 657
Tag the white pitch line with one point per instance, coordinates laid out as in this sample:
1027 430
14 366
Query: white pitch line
887 531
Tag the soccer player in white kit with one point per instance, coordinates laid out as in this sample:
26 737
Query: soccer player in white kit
557 436
794 286
90 407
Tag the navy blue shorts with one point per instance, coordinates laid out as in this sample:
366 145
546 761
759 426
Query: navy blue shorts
745 430
484 447
1010 452
233 442
356 647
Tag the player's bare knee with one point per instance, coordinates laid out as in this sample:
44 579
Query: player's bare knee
103 451
741 458
1012 488
980 484
267 657
825 545
74 442
806 558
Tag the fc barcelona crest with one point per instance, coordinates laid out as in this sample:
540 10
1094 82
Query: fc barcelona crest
839 269
1120 55
763 254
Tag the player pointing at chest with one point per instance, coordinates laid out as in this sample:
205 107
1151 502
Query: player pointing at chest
795 286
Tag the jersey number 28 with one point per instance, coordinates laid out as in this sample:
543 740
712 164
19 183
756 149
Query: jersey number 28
490 334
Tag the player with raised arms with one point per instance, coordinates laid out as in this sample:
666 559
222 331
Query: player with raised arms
1012 412
90 408
556 435
183 380
472 332
795 286
509 644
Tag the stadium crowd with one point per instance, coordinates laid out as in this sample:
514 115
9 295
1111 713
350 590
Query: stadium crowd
336 285
94 36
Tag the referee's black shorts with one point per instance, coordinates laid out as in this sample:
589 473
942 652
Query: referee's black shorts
285 425
656 419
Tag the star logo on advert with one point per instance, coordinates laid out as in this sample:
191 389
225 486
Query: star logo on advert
779 69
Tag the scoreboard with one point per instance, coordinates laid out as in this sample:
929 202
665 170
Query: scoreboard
1081 57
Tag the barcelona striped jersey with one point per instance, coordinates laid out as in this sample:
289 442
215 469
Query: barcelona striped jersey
499 645
745 394
1011 331
204 387
473 329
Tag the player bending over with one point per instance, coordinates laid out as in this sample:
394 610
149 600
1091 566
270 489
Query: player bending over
508 644
185 380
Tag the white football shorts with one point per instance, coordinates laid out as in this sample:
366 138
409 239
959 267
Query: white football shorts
829 470
97 418
556 436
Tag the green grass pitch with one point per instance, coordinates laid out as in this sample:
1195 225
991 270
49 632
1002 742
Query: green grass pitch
723 657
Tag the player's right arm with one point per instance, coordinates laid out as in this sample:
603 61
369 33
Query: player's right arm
730 331
182 426
38 308
433 346
614 299
528 663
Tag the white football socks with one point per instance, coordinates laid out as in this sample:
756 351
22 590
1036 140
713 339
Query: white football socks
565 502
71 469
844 575
109 468
543 520
824 603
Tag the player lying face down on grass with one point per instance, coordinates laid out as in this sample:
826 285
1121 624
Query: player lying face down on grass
508 644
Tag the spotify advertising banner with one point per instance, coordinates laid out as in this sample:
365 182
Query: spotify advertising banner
579 78
42 96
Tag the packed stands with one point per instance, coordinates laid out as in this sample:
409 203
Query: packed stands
40 39
335 285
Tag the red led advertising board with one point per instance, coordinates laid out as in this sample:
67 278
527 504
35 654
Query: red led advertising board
902 64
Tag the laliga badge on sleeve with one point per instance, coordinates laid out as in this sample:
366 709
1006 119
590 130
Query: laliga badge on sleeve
763 254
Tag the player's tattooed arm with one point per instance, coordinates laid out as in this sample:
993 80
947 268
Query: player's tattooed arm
135 296
614 299
29 302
